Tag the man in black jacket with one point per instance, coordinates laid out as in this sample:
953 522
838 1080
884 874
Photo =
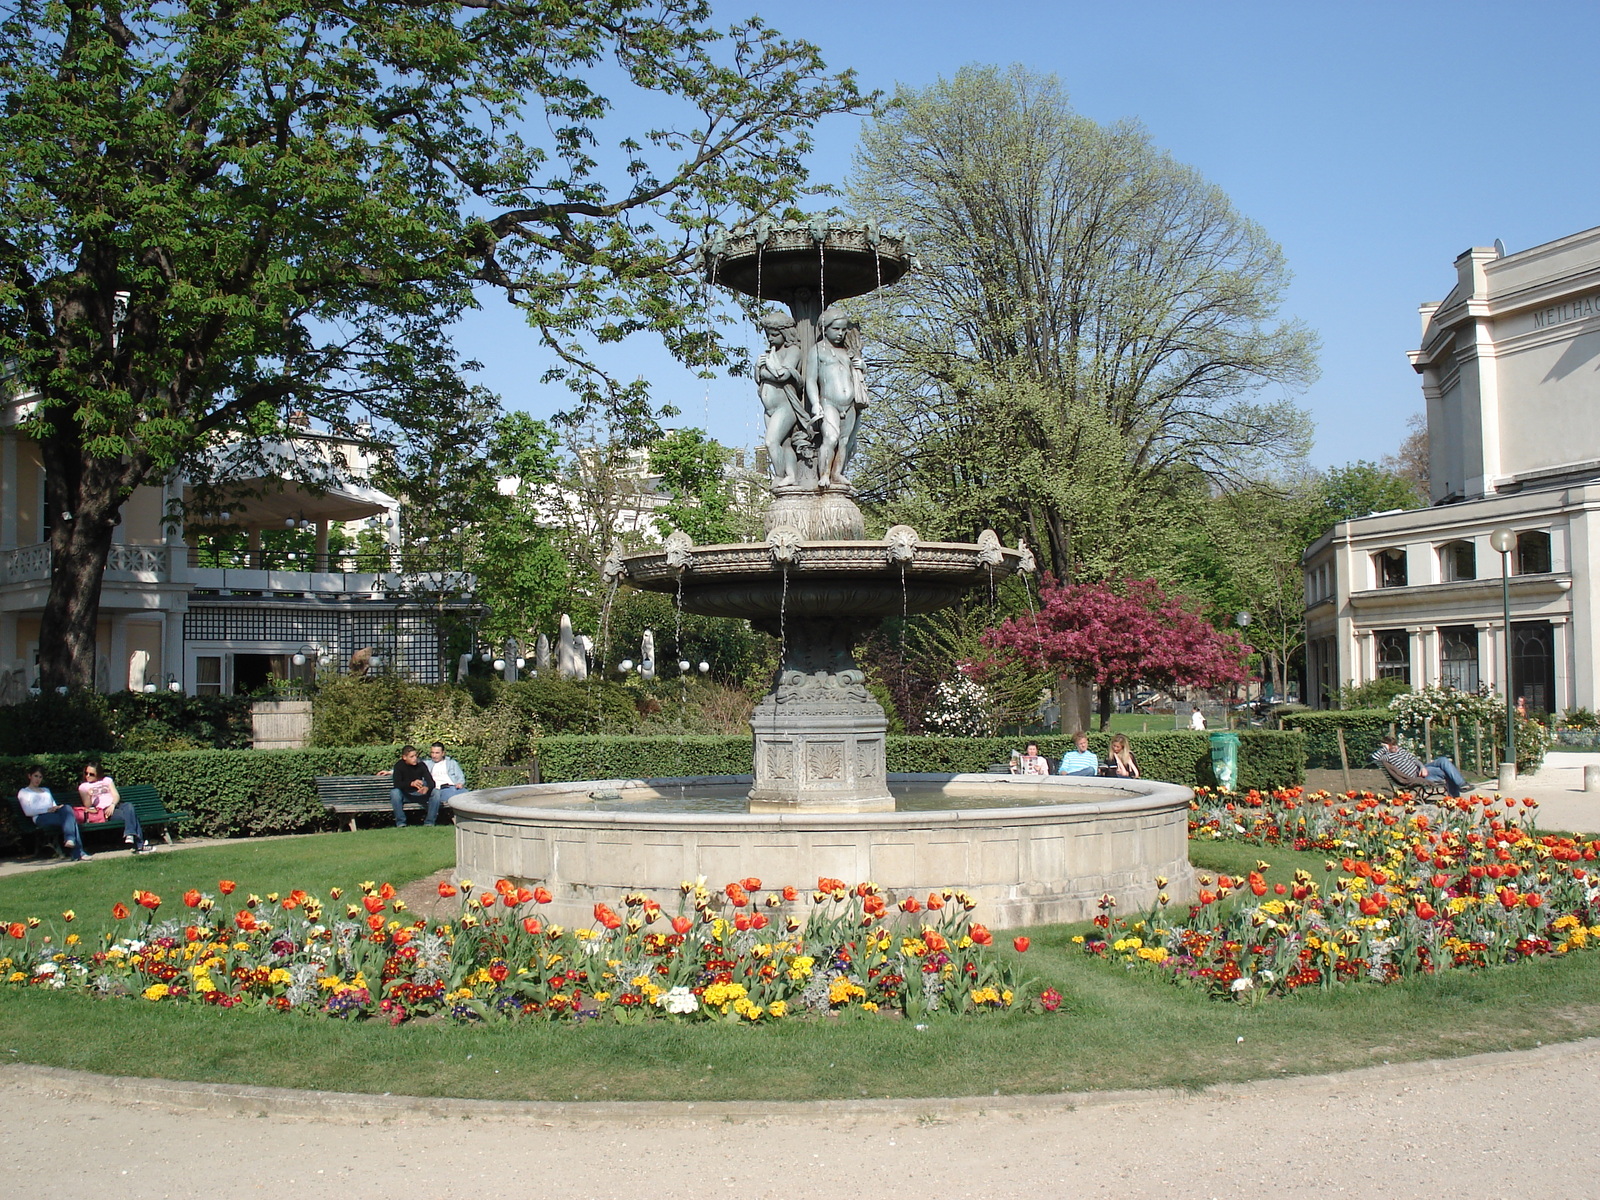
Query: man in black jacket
412 782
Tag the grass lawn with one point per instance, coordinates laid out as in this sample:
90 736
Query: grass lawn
1115 1030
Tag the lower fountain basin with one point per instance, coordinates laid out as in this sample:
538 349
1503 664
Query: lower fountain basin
1029 850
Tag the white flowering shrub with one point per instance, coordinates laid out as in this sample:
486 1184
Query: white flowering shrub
962 707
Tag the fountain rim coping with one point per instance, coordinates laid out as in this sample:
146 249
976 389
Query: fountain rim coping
878 544
1148 796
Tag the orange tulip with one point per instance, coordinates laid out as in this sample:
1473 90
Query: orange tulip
531 925
387 891
541 895
374 923
446 889
372 904
681 925
192 898
981 936
791 894
226 886
1020 944
1426 911
752 884
604 914
18 930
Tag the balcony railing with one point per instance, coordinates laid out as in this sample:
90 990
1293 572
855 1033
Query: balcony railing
353 573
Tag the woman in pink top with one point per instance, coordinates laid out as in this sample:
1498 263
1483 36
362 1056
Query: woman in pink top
99 791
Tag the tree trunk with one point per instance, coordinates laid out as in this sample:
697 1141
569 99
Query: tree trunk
78 551
1105 707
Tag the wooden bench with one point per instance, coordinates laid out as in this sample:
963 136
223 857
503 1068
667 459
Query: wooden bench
354 795
154 816
1425 788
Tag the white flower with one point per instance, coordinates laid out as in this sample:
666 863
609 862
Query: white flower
678 1000
1241 984
48 968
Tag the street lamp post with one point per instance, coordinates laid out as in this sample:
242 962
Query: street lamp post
1505 541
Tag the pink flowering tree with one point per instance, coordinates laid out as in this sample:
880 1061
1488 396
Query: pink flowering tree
1120 636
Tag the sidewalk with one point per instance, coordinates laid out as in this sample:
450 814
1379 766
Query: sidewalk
1558 787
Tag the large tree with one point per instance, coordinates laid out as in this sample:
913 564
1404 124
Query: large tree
213 212
1120 637
1080 289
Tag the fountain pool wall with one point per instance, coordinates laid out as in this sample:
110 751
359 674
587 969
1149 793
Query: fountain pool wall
1039 850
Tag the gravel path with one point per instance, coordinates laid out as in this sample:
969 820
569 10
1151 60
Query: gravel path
1504 1125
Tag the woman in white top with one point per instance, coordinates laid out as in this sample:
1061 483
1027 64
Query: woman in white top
40 807
99 791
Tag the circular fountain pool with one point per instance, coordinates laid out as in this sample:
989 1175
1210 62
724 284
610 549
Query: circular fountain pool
1028 850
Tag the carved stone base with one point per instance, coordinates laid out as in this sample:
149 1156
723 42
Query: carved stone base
820 764
819 734
827 516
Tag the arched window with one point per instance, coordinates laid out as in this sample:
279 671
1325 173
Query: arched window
1394 654
1533 552
1458 560
1458 657
1389 567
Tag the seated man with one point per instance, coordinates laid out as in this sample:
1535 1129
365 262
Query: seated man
1410 767
1080 760
1032 762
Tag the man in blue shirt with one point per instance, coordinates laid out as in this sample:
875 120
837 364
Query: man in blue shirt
1080 760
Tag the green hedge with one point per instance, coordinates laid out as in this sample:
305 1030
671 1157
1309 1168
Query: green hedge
227 793
1363 727
1267 758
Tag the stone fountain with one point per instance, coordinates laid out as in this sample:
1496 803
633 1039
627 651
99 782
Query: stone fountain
819 800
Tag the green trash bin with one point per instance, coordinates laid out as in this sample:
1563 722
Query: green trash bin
1225 758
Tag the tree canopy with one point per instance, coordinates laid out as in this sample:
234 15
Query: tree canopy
1091 315
214 212
1121 637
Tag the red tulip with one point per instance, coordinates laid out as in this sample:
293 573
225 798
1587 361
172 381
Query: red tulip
446 889
372 904
981 936
1425 910
752 884
226 886
1440 880
1020 944
1280 889
374 923
741 921
681 924
1207 897
606 916
147 900
541 895
1508 898
530 925
192 898
791 894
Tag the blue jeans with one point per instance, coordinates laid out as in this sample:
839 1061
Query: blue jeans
442 794
1443 769
66 820
130 823
399 802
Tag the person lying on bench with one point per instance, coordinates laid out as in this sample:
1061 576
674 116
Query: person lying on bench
1409 768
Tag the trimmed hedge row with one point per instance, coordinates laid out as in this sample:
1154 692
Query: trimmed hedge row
1267 758
227 793
1363 727
241 793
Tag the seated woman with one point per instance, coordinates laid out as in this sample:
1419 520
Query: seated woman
99 792
1032 762
1121 760
40 807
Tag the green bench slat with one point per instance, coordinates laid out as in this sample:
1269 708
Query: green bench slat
351 795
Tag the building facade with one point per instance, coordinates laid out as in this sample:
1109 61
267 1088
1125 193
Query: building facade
219 601
1510 367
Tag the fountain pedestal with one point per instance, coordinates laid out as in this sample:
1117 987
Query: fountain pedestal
819 734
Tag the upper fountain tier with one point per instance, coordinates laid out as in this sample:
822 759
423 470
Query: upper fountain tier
829 260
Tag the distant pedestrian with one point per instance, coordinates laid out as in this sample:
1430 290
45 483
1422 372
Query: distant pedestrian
1080 760
1197 720
448 779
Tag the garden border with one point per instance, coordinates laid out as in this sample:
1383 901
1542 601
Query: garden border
238 1099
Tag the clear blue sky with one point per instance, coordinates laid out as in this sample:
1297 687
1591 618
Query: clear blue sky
1374 141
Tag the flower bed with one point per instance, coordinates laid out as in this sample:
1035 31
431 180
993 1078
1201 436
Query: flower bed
1410 890
731 955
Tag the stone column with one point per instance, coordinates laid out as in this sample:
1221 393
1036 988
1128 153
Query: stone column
9 496
819 734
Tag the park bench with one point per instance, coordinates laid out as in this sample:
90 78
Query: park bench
1424 788
352 796
154 816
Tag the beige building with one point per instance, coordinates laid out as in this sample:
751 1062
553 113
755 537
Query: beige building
1510 366
208 603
